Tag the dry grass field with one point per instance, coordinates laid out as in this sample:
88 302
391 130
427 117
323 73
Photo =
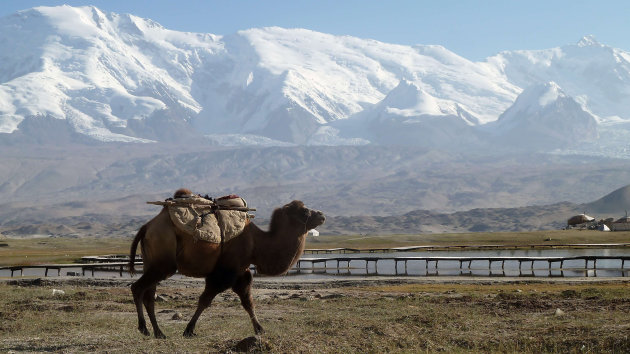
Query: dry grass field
368 314
325 318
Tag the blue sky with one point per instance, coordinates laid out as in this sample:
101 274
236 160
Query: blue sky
472 29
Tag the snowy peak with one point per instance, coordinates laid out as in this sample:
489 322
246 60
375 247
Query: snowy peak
410 102
588 41
408 115
102 73
544 116
595 75
538 97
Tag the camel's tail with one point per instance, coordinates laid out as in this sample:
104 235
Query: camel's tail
134 246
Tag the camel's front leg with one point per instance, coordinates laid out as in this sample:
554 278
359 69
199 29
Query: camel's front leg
216 283
243 288
204 301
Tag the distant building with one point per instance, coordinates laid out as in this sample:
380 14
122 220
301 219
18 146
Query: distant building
622 224
579 219
313 232
603 227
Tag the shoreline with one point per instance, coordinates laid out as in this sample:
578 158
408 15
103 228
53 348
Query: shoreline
332 282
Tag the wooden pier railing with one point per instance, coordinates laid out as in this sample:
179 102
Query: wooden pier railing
461 260
110 266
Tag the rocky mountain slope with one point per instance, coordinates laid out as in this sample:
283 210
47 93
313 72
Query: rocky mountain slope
94 188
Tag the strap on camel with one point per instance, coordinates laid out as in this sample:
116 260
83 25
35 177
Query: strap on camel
201 205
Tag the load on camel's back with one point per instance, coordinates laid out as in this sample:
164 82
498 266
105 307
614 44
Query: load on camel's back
207 219
168 248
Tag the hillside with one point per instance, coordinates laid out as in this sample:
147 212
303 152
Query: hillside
616 202
362 186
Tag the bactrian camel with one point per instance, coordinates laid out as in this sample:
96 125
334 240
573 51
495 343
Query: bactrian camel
166 250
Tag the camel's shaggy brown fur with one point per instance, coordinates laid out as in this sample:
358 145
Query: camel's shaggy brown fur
182 192
165 250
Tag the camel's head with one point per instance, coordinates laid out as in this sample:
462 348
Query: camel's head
300 215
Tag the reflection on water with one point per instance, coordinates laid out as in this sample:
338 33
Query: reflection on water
337 267
570 268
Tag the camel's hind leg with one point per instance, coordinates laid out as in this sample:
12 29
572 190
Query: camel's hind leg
243 288
143 291
149 304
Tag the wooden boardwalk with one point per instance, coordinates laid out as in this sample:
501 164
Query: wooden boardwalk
116 263
463 261
109 266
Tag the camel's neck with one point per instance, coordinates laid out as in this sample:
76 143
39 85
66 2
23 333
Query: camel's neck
276 250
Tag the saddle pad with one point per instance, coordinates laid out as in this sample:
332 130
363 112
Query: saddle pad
201 223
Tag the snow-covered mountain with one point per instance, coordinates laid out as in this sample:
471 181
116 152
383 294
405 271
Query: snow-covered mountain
595 75
81 73
409 115
544 116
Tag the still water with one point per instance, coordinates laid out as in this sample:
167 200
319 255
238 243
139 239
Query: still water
572 268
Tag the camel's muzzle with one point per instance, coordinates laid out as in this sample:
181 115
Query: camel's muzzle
318 217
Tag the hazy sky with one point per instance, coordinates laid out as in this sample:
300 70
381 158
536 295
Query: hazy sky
472 29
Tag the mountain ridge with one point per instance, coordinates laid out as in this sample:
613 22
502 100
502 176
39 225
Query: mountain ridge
121 78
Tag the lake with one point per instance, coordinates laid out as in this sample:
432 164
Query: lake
350 268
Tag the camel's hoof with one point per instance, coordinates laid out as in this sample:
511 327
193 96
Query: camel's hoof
189 334
259 330
160 335
144 331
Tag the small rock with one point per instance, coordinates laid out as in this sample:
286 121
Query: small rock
57 292
252 344
558 313
177 316
519 290
161 298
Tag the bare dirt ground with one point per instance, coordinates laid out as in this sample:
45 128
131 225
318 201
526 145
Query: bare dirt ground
369 314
